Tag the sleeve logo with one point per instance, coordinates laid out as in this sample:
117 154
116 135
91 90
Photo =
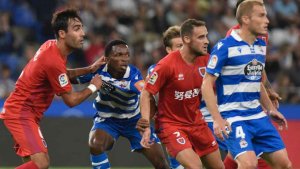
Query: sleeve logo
212 62
153 78
63 80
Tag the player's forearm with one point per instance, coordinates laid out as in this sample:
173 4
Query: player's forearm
74 98
145 104
209 97
266 82
264 99
73 73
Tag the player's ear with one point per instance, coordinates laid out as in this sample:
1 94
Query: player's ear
61 34
168 49
186 39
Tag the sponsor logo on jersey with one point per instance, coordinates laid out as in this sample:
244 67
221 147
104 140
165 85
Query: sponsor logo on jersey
202 71
153 78
63 79
253 70
180 76
212 62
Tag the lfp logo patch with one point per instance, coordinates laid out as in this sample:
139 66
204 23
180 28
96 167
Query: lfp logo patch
63 80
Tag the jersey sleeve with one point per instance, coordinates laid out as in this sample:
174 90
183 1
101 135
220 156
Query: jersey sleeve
85 78
217 59
158 78
58 79
137 83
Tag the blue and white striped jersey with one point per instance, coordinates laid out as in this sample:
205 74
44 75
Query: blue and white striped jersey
239 68
123 102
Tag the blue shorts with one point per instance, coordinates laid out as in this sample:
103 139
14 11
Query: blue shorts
222 145
257 135
123 127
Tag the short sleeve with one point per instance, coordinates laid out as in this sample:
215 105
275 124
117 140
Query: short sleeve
158 78
137 83
58 79
85 78
217 59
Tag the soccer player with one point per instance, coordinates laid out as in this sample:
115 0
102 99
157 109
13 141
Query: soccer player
172 42
118 108
236 65
179 123
44 76
272 94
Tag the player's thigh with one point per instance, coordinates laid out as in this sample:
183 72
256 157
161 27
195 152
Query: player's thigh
247 159
174 139
103 134
202 140
278 159
212 160
239 139
189 159
22 130
155 155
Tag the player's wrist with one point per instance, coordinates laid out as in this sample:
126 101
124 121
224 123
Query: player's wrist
92 87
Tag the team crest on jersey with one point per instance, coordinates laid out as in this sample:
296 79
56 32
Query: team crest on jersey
212 62
181 140
202 71
243 143
253 70
153 78
63 79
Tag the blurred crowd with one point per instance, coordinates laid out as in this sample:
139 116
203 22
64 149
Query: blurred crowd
25 24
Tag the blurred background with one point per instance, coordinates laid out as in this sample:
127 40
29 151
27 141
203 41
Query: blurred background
25 25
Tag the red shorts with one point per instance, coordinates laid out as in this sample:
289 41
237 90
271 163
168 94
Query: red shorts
27 136
177 138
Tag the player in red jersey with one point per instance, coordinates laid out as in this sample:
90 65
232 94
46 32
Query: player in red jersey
179 123
44 76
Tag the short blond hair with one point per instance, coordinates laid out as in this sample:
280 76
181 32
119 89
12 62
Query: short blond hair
246 8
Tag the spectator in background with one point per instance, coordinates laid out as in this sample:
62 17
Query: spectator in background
7 85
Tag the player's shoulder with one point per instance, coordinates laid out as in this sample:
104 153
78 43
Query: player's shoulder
170 58
133 69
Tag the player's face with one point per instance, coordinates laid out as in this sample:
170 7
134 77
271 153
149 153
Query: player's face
75 34
119 59
259 21
176 43
199 41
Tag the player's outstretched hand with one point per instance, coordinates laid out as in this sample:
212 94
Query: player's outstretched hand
146 142
97 81
275 98
277 117
142 124
221 128
96 65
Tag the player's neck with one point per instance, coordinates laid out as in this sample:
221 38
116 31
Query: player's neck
63 49
188 56
247 36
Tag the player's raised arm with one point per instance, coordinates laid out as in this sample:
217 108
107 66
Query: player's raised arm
74 98
74 73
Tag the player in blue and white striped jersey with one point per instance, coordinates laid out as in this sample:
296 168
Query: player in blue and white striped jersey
118 108
236 66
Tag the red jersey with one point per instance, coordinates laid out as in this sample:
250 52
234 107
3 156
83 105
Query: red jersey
179 85
44 76
265 37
